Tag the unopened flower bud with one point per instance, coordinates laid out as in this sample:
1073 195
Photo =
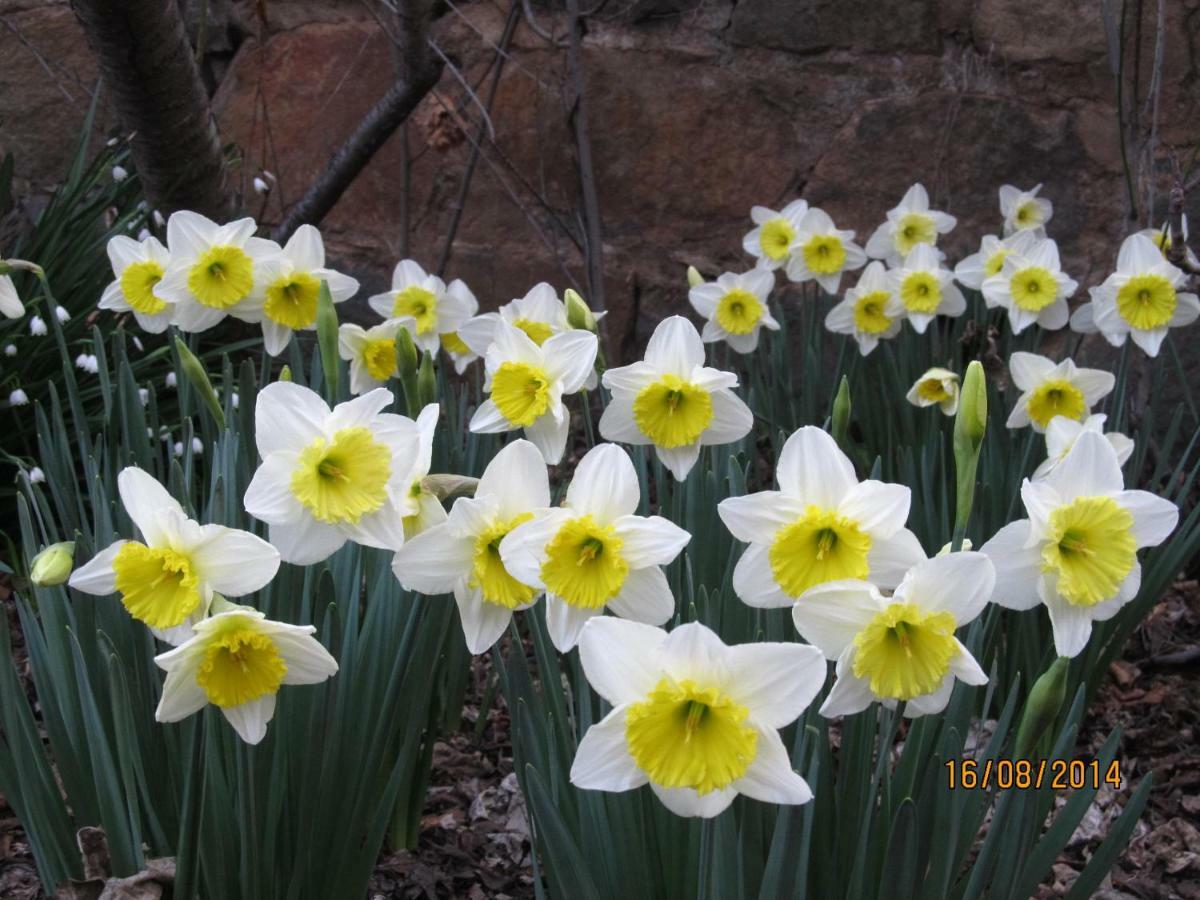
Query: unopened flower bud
1041 709
578 314
53 565
194 372
694 277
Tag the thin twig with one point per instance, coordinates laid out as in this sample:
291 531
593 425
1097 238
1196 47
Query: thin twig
460 201
587 176
1177 250
466 85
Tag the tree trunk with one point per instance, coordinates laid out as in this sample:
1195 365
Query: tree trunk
149 68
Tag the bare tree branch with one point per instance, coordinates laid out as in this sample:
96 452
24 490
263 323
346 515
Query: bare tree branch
419 72
1177 250
144 56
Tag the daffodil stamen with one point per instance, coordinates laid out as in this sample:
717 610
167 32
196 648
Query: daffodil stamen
342 480
1091 548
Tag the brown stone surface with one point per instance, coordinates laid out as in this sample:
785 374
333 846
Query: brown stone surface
698 110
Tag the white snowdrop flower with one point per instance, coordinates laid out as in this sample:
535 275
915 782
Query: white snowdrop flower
10 349
178 449
138 343
37 326
18 398
261 186
197 446
36 475
87 362
159 221
119 173
234 399
144 396
170 380
61 314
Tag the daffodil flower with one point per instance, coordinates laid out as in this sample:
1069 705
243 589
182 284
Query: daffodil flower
673 401
167 579
909 225
1032 286
425 299
821 252
238 660
694 718
452 343
288 285
735 307
138 267
328 476
1077 551
900 648
936 387
1024 210
821 525
1062 433
11 306
213 268
973 270
540 314
371 353
1142 300
770 240
462 554
870 313
593 552
429 510
526 384
926 289
1162 239
1052 389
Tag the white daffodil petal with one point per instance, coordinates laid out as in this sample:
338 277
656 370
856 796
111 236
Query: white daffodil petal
483 623
564 623
965 667
250 719
433 561
813 469
306 541
649 541
878 508
602 762
775 681
754 582
958 583
1154 517
234 562
144 498
890 558
182 696
96 576
770 777
755 518
1018 566
645 596
619 658
829 615
1072 625
690 804
605 484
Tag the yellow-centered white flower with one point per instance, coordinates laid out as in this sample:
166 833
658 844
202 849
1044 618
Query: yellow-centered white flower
973 270
462 554
371 353
540 314
1077 551
526 384
899 648
925 289
770 240
213 269
1052 389
429 510
821 525
870 312
594 552
138 267
936 387
673 401
168 578
696 719
821 252
910 224
1142 300
424 299
237 661
329 476
1062 433
1024 210
735 308
452 343
1032 286
287 286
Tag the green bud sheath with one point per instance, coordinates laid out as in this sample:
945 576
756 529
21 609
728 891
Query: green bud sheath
194 372
1045 700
